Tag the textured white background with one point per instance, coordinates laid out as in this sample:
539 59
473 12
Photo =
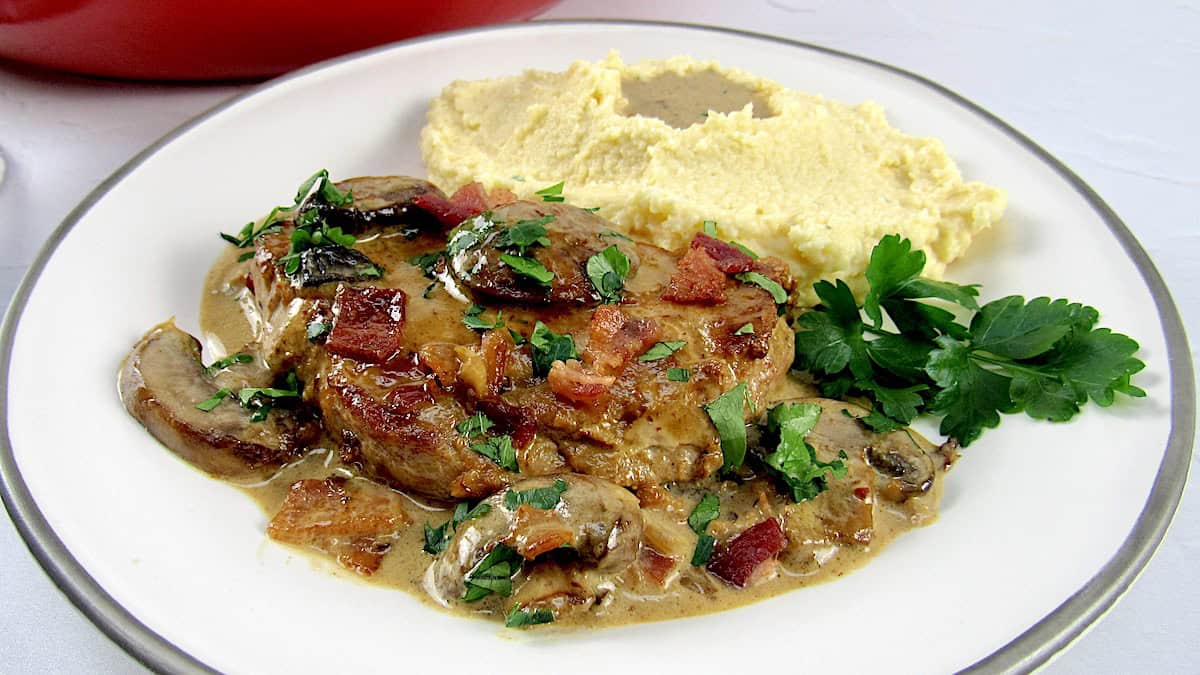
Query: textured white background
1111 90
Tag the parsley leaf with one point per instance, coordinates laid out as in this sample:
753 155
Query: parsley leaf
519 618
426 262
971 398
525 233
615 235
766 283
710 228
544 498
475 425
747 329
893 272
528 267
707 510
500 450
317 330
438 538
208 404
794 459
704 549
661 350
552 193
493 574
727 413
1018 330
548 347
607 271
678 374
473 319
221 364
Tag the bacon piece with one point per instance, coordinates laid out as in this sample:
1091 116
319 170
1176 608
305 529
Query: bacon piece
467 201
727 257
614 339
697 279
483 367
656 565
537 531
515 421
349 519
368 323
570 381
777 271
736 562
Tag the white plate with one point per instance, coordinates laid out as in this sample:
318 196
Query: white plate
1043 525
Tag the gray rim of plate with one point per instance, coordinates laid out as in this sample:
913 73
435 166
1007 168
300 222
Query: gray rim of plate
1034 647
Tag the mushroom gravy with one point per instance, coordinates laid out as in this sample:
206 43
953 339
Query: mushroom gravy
230 320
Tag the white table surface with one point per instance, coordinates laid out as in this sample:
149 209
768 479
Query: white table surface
1112 92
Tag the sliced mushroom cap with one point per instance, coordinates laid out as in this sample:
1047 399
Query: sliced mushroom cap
381 200
575 235
910 469
161 382
599 521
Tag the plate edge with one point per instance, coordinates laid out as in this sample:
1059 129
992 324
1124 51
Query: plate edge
1032 648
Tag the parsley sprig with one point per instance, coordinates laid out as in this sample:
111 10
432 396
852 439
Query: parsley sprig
794 460
438 538
1044 357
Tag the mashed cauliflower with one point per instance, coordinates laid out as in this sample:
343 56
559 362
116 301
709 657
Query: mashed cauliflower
812 181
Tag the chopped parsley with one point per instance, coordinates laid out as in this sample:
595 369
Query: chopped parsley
1044 357
794 460
528 267
547 347
747 329
221 364
311 229
766 283
704 549
615 235
707 510
208 404
262 399
474 320
661 350
475 425
500 450
678 374
727 413
249 233
607 271
317 330
519 618
544 498
743 249
469 234
525 233
710 228
552 193
493 574
245 256
438 538
426 262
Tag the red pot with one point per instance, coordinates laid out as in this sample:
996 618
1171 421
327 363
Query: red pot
224 39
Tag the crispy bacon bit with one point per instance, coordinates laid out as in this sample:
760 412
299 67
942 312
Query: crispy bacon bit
737 562
349 519
516 421
467 201
495 346
863 493
727 257
570 381
697 279
440 360
656 565
538 531
614 339
776 270
368 323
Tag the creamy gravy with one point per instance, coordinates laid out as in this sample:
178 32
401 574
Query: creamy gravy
227 319
684 100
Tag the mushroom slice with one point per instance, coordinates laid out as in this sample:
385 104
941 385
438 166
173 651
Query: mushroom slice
161 382
600 522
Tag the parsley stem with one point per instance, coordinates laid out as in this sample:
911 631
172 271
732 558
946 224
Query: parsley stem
1008 365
